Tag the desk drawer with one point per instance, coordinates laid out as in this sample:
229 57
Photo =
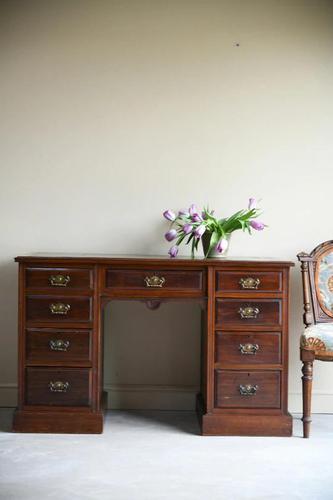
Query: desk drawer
247 280
265 312
58 278
63 387
155 279
47 346
58 309
240 389
248 349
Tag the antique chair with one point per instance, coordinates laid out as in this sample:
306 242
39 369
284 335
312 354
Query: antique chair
317 339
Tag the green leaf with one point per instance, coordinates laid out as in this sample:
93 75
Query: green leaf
189 238
214 239
180 238
193 246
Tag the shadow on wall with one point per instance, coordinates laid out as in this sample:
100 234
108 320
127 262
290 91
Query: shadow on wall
8 324
152 357
6 418
296 306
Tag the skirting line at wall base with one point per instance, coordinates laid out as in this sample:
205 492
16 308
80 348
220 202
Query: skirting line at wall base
162 397
8 395
151 397
322 402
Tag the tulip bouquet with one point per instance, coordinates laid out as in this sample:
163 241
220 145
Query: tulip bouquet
203 226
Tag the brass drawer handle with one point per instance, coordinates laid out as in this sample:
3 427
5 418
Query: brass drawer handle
58 386
59 280
248 390
248 348
249 283
59 345
154 281
59 308
249 312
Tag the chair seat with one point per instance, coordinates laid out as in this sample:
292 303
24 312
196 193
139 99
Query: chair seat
319 338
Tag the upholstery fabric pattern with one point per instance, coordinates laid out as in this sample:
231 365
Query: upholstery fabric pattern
319 338
325 281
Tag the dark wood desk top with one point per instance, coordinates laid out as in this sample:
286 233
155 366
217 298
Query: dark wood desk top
87 258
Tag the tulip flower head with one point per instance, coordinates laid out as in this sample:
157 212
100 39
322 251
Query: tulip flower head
171 235
257 225
222 245
173 251
252 203
199 231
197 218
193 210
170 215
187 228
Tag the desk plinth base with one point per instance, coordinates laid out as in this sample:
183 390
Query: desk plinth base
58 422
233 424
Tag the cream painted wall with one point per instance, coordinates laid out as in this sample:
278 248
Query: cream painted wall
112 111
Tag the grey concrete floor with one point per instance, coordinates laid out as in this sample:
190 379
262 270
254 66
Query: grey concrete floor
160 455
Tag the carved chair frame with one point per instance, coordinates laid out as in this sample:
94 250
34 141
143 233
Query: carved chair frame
314 312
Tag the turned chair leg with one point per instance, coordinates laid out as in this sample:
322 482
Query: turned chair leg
307 357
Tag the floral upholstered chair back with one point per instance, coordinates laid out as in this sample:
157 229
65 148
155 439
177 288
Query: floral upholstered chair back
324 282
317 272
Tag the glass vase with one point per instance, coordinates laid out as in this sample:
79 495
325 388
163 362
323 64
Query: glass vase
214 254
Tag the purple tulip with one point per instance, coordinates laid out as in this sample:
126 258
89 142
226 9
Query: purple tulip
222 245
199 232
173 251
252 203
187 228
183 213
171 235
193 210
196 218
257 225
170 215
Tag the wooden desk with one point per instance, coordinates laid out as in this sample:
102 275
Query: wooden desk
244 368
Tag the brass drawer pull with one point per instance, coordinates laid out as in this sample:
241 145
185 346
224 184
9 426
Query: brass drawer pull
249 312
249 283
154 281
248 348
59 345
248 390
59 308
58 386
59 280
